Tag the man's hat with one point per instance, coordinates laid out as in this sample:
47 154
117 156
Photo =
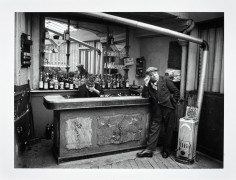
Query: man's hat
151 69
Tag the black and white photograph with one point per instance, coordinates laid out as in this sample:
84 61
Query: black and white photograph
118 91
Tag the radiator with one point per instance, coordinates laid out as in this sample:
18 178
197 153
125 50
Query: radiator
187 136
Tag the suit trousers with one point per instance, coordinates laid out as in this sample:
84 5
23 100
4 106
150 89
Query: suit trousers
167 117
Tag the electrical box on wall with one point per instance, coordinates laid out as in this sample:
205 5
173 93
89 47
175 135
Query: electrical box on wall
140 67
26 42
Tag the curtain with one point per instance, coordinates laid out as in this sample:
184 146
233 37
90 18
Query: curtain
214 80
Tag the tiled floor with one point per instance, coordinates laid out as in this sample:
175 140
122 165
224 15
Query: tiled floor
40 156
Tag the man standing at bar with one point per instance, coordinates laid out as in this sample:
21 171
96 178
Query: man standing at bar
90 88
163 96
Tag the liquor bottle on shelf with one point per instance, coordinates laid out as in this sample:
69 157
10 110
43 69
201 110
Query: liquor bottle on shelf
45 83
103 82
108 82
122 83
79 81
127 83
76 82
118 83
61 82
66 81
73 79
56 84
41 81
51 83
100 80
111 80
71 84
114 83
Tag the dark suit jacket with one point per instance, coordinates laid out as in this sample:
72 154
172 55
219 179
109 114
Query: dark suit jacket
165 95
84 92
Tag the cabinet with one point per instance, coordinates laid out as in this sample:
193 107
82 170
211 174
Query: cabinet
140 67
25 50
23 119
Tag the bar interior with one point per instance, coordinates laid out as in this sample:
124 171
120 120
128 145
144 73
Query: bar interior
116 48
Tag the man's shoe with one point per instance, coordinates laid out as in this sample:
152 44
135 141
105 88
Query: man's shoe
145 153
165 154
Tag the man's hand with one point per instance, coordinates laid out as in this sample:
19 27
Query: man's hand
146 80
91 89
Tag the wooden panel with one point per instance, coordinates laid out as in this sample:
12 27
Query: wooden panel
211 126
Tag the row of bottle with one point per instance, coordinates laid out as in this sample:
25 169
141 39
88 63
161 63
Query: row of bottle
70 82
64 81
113 82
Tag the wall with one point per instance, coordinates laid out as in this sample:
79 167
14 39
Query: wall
155 51
22 25
29 24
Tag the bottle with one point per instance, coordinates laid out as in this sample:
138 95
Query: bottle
71 84
66 82
127 83
51 81
61 82
48 132
118 83
45 83
108 82
114 83
100 80
52 131
111 81
122 83
76 82
41 81
103 83
56 84
79 81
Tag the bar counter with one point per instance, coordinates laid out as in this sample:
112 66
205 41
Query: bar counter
88 127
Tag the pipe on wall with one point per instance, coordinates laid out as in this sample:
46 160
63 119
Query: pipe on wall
184 45
145 26
205 48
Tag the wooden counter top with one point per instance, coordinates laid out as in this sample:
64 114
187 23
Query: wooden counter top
58 102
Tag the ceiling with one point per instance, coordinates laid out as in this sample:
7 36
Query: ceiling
99 27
